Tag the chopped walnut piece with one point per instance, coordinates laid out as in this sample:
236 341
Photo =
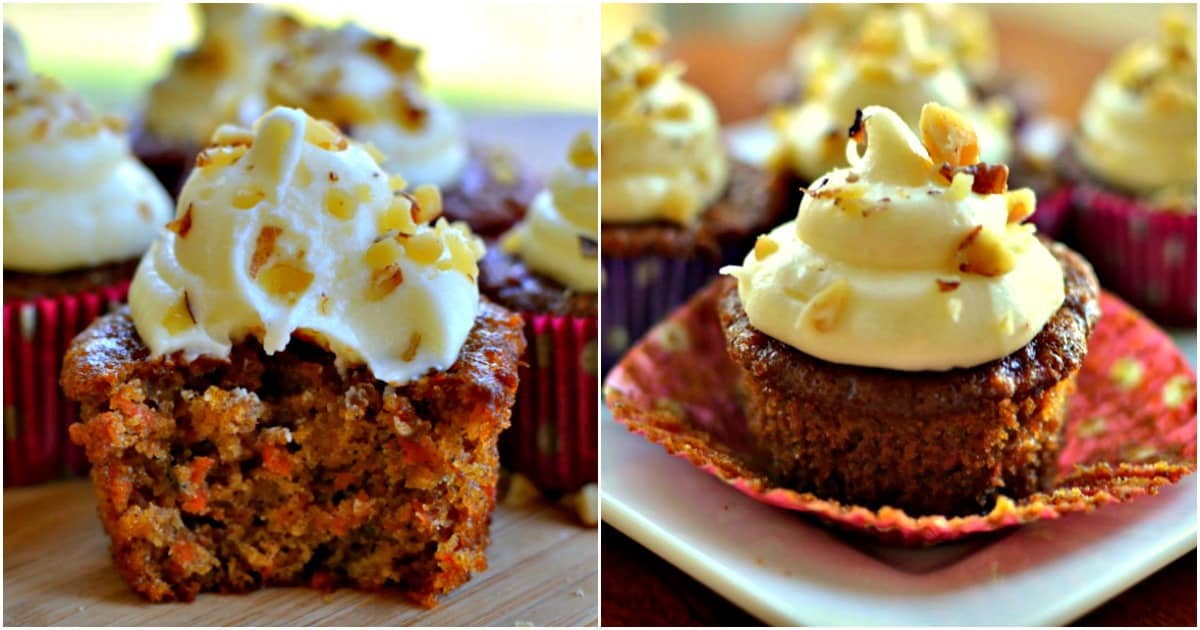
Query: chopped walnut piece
414 343
858 131
948 136
384 281
988 179
946 286
764 247
183 224
264 247
984 253
825 308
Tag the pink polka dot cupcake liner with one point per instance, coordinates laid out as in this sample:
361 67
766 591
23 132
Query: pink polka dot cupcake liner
1053 215
1145 254
37 332
1131 425
554 432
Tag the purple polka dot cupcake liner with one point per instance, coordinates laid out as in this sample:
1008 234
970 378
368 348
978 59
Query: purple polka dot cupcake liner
1146 254
638 292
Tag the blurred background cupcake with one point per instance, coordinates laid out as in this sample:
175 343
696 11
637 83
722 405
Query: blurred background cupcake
546 269
1133 166
79 210
675 206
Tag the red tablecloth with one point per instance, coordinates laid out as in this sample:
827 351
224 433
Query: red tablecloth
641 589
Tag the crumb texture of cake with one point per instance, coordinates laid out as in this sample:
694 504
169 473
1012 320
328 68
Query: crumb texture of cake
275 469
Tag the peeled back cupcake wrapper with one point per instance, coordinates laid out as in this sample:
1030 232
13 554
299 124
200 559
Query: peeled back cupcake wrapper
1145 254
554 421
1131 426
36 414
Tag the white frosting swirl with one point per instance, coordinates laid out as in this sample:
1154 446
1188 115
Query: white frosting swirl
1138 126
962 30
887 265
557 237
222 80
370 86
893 63
291 230
74 196
663 154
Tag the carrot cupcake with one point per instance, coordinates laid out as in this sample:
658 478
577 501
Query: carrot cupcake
221 80
306 387
674 206
78 212
907 341
964 31
370 86
546 268
1133 167
895 59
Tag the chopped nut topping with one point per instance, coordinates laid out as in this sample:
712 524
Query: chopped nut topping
245 199
582 153
986 179
948 137
424 248
858 131
764 246
382 253
398 216
323 304
183 224
264 248
429 202
285 280
385 280
333 177
946 286
340 203
984 253
1020 204
824 310
179 317
414 344
649 36
397 183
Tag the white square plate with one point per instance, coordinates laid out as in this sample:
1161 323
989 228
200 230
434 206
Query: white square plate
787 570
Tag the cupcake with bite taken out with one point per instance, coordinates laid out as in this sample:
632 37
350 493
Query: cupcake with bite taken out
674 206
306 388
1132 172
546 268
78 212
907 340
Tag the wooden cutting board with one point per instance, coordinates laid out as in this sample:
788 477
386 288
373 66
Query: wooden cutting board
57 571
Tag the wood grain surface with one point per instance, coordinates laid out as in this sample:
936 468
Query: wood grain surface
57 572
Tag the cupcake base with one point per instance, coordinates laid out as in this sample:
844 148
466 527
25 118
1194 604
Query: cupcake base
1126 435
648 270
1146 254
282 470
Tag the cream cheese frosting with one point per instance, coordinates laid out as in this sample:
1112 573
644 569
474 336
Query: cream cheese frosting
962 30
222 80
1138 126
290 230
370 86
664 159
74 196
557 237
895 262
892 61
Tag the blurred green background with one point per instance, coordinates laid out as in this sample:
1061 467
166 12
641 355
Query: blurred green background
537 56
